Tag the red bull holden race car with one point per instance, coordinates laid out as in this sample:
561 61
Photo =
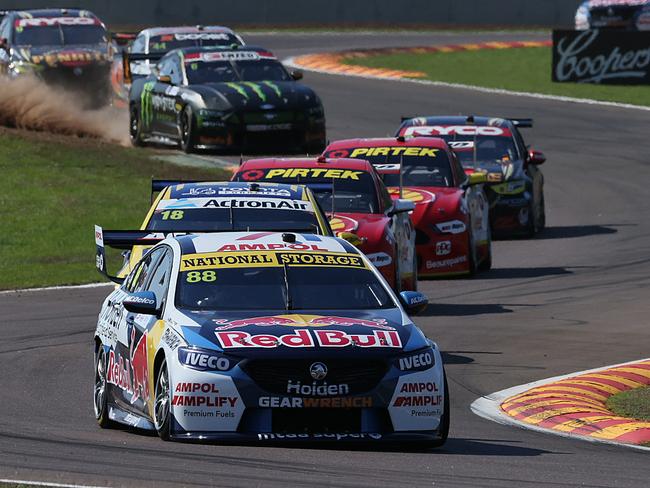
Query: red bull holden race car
265 338
494 146
359 206
452 231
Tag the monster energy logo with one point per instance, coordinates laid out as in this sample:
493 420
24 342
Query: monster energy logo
146 108
273 87
255 88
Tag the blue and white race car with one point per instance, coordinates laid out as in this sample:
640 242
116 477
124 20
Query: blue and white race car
616 14
266 337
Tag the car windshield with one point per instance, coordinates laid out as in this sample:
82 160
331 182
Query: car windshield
352 191
200 72
299 284
489 149
60 35
166 42
233 218
421 166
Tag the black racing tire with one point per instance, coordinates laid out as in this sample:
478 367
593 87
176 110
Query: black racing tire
100 394
415 271
162 403
444 420
398 274
542 214
188 130
135 126
471 253
486 264
531 228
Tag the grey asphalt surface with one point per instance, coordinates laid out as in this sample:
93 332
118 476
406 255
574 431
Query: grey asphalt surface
574 298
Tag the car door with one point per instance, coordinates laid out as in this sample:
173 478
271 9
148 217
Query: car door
400 228
162 99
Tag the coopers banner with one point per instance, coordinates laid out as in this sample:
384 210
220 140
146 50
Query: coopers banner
605 56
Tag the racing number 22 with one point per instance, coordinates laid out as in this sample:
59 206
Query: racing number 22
172 215
196 276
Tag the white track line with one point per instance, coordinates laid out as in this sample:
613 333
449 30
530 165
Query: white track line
290 62
51 288
45 483
489 407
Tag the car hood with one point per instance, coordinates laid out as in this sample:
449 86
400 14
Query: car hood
371 227
54 56
432 204
375 333
259 95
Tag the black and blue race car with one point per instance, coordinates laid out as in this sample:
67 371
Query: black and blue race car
613 14
266 337
494 146
224 98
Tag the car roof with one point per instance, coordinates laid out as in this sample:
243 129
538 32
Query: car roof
53 12
240 189
186 29
336 163
434 142
458 120
308 243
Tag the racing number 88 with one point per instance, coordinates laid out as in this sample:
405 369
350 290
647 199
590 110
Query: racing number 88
196 276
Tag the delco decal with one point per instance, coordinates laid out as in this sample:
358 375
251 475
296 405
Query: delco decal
49 21
302 321
202 361
304 338
334 402
417 362
394 151
461 130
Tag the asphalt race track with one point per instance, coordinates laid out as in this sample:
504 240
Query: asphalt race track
574 298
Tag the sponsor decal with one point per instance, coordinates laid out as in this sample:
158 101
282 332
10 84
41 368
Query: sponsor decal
424 394
340 223
327 173
416 196
207 397
446 263
260 203
202 361
461 130
194 262
315 436
209 57
315 389
452 227
171 339
260 190
302 321
146 108
418 361
359 152
318 371
380 259
305 338
69 58
130 375
50 21
417 402
298 246
194 192
460 145
203 36
297 402
443 248
139 299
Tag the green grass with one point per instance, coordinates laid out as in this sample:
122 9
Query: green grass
631 403
54 188
522 69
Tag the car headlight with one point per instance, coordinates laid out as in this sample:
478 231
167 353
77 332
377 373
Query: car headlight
204 359
416 360
509 188
451 227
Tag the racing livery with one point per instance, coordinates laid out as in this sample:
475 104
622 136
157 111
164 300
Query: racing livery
182 207
360 209
160 40
225 98
613 14
452 232
274 337
495 147
66 47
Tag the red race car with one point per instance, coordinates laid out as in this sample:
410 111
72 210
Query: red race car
359 205
451 214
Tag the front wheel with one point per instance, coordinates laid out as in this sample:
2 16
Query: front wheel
100 399
188 130
443 430
135 126
162 403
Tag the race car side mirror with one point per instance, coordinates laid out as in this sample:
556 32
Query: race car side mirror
413 302
164 79
400 206
296 74
143 302
536 157
477 178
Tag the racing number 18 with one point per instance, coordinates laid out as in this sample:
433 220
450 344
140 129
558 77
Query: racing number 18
172 215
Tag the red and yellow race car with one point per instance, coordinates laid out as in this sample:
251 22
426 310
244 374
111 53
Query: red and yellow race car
451 210
359 206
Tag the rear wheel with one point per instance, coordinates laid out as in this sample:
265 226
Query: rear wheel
486 264
443 430
162 402
135 126
471 254
100 397
188 130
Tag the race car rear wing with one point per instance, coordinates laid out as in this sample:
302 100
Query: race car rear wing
128 58
160 185
522 123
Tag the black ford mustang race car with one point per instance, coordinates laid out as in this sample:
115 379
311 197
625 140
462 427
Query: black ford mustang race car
224 98
66 47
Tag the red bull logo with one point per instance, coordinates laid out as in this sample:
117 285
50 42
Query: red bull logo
302 321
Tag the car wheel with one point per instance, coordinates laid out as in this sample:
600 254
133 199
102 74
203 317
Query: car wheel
135 126
162 403
398 273
471 254
443 430
100 395
542 215
486 264
531 229
188 130
414 282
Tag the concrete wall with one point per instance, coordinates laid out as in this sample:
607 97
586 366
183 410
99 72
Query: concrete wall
318 12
